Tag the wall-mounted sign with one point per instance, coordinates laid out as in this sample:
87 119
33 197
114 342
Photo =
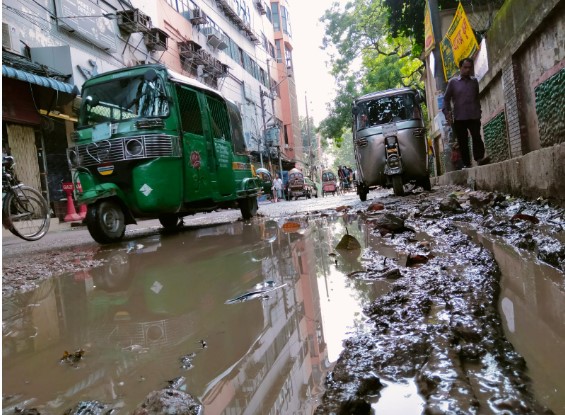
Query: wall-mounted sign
429 40
89 21
458 43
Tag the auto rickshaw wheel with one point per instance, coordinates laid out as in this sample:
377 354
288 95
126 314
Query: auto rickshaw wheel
170 222
105 221
248 207
397 185
425 183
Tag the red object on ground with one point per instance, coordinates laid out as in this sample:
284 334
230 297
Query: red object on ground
82 211
72 215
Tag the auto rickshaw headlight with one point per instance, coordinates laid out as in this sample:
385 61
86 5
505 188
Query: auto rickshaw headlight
134 148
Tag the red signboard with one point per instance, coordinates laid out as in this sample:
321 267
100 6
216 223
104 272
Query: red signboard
68 186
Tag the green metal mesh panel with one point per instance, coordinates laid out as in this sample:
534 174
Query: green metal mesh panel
190 114
496 139
219 118
550 102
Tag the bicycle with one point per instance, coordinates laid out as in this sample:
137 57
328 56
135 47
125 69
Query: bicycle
25 212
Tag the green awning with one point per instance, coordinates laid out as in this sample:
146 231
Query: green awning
44 81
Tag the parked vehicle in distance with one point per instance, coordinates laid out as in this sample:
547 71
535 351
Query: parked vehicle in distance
151 143
295 185
329 183
389 140
311 188
266 181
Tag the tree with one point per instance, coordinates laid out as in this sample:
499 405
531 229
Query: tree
405 18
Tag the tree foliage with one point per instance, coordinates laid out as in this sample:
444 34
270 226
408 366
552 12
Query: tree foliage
405 18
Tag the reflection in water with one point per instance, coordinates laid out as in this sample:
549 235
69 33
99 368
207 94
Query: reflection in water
157 310
532 307
399 398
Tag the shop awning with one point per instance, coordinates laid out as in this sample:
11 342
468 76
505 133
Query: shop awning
39 80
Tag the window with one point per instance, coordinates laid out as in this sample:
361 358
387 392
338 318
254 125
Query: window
189 109
286 21
278 50
288 58
276 18
219 118
384 110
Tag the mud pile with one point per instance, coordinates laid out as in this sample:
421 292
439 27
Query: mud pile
439 325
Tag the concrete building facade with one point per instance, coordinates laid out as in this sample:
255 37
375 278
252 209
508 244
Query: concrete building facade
49 48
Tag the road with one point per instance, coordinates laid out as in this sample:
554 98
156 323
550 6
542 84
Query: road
67 248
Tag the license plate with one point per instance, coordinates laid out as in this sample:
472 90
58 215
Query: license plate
389 129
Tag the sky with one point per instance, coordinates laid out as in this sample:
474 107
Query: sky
310 68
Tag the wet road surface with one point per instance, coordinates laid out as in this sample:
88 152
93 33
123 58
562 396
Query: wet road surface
250 317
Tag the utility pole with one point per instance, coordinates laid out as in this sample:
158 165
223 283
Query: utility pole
310 155
436 27
264 135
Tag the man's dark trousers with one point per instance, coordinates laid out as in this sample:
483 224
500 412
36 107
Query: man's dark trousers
460 128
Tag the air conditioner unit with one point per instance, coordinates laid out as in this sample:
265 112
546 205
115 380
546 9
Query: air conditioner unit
260 7
197 17
214 37
133 21
9 37
156 39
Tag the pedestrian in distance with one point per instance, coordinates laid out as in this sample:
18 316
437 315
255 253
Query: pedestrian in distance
277 188
465 118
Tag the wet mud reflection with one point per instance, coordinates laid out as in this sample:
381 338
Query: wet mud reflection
243 317
532 306
251 318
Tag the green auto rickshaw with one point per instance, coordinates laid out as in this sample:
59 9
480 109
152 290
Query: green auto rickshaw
151 143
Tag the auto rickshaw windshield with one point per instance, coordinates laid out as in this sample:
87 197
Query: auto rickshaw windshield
387 109
123 99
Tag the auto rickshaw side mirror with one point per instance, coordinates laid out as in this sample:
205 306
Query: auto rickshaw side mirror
354 109
420 97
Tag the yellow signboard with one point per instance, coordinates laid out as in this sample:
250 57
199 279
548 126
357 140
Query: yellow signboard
429 40
458 43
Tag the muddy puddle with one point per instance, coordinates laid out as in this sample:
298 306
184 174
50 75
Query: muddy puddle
245 318
532 309
253 318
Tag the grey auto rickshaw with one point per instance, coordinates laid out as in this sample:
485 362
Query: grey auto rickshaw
389 140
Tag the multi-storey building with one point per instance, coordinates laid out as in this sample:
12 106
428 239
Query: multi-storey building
240 47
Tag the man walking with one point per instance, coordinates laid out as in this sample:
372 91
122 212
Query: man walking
277 188
463 90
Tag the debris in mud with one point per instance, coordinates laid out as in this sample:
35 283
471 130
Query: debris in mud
72 358
348 242
290 227
450 204
388 223
439 323
259 291
521 216
30 411
186 361
89 408
169 401
176 383
375 207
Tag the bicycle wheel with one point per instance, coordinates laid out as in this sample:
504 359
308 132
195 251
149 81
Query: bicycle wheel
27 213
